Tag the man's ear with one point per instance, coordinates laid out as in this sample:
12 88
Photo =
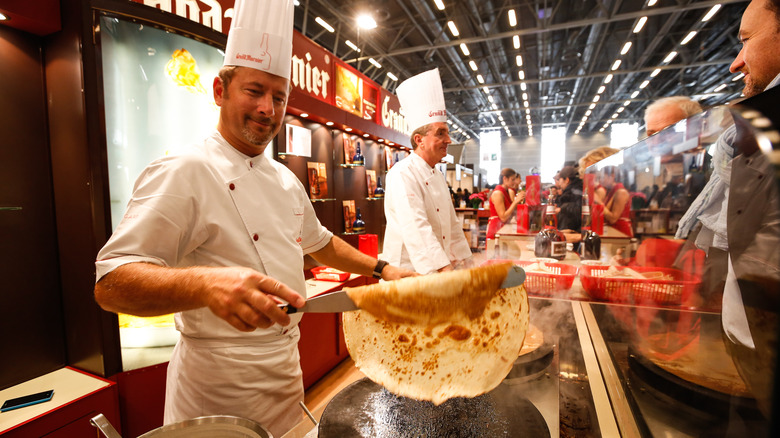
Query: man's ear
416 138
219 91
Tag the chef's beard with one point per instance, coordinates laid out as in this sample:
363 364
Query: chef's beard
257 139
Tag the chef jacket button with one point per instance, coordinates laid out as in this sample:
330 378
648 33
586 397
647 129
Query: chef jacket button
739 211
251 164
426 184
437 209
232 186
760 176
443 237
255 237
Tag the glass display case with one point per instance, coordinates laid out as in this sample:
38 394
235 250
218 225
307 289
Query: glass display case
673 330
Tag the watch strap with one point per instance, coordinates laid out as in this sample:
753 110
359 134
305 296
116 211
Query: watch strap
380 265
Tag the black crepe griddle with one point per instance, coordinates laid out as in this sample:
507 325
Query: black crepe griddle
532 364
715 402
366 409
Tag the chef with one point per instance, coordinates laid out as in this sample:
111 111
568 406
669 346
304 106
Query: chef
423 233
217 234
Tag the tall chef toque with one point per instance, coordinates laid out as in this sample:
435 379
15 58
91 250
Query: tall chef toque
261 36
422 99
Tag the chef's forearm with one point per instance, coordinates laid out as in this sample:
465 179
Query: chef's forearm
144 289
341 255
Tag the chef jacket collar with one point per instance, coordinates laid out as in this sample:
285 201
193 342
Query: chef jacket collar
250 162
419 161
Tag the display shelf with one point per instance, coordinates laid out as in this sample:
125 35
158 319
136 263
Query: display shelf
375 199
351 234
352 165
323 200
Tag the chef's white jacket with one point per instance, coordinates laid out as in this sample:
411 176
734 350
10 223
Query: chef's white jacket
214 206
423 232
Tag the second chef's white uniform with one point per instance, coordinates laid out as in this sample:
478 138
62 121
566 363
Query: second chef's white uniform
423 232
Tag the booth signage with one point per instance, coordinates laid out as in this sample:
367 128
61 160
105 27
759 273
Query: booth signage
313 72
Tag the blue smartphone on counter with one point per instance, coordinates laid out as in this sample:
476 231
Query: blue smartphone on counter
27 400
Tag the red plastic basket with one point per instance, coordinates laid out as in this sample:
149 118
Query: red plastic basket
546 284
329 274
631 290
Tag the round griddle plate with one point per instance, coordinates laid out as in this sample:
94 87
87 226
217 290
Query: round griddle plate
697 396
366 409
532 364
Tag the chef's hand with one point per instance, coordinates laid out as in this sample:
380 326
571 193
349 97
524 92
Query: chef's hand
248 300
390 273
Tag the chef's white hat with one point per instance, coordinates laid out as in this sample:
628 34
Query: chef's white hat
422 99
261 36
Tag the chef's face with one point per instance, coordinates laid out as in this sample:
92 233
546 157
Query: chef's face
432 146
759 33
252 108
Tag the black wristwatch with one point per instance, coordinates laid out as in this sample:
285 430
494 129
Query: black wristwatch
380 264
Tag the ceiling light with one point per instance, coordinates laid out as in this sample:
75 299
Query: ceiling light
635 94
720 87
3 17
608 79
304 115
473 65
453 29
593 105
519 60
713 10
644 84
626 48
588 112
652 2
512 18
516 41
655 72
392 76
688 37
464 49
348 129
521 75
522 86
525 96
381 140
500 117
525 104
373 61
616 64
352 45
738 77
584 119
490 98
495 107
620 110
329 123
602 129
640 24
528 112
439 4
480 79
601 89
614 116
627 103
324 24
669 57
596 98
366 21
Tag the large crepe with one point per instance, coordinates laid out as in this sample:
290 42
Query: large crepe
434 337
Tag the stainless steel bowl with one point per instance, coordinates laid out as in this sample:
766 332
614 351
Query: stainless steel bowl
216 426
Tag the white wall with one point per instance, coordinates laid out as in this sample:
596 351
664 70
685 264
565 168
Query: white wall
522 154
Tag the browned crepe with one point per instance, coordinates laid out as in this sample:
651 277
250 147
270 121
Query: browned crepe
435 337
